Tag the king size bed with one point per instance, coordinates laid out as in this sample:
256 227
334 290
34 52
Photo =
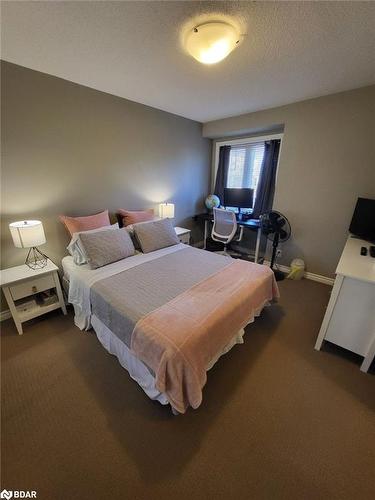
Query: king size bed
169 314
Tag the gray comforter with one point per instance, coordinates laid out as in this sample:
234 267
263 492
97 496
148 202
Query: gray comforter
121 300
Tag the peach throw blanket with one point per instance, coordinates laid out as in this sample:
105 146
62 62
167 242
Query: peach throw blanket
179 339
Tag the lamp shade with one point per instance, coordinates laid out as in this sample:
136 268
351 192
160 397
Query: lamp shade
166 210
211 42
27 233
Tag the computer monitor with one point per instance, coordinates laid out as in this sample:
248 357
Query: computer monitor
363 221
238 197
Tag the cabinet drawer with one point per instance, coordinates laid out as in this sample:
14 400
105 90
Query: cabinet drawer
32 286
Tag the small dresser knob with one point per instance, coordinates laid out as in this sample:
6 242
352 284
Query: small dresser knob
34 289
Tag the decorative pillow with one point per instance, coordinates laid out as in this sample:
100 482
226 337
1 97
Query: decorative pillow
78 224
75 247
127 217
156 234
105 247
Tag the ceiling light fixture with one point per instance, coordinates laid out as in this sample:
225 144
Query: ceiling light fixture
211 42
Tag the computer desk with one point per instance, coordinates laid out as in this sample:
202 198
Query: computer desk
253 224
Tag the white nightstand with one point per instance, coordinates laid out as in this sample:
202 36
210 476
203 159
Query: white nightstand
183 234
20 285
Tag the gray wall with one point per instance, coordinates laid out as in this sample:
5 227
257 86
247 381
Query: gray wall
327 160
68 149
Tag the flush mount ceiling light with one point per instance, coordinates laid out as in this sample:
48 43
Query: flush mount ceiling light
211 42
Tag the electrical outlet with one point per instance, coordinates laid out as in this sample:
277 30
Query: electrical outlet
279 253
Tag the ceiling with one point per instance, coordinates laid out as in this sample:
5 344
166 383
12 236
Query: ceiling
292 51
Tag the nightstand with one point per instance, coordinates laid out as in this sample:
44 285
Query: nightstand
183 234
31 293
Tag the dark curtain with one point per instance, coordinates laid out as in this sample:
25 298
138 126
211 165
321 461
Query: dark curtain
222 172
266 183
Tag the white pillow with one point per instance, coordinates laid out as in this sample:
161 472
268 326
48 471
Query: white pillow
76 249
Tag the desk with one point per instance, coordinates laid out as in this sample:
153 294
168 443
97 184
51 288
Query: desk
253 224
349 320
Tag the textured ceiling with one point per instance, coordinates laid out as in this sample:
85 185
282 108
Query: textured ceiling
292 51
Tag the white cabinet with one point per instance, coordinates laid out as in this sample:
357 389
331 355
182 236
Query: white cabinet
349 320
21 284
183 234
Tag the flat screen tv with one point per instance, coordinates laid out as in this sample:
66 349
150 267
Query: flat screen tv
363 221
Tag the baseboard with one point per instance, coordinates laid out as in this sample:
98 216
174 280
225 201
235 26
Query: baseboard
309 276
320 278
286 269
5 315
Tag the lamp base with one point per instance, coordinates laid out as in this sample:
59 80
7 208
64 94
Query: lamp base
36 259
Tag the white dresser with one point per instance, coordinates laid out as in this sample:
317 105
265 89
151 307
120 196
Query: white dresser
349 320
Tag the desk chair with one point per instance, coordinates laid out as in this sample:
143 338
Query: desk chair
224 229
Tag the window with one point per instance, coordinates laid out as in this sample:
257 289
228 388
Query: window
245 162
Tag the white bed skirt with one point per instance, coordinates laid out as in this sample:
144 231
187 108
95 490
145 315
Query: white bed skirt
137 370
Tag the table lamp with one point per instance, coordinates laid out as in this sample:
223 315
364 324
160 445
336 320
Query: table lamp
30 234
166 210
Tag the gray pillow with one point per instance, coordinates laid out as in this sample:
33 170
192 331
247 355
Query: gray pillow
105 247
155 234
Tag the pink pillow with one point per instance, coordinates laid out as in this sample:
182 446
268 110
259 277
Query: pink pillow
77 224
133 216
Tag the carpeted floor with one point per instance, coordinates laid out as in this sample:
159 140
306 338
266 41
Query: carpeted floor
278 420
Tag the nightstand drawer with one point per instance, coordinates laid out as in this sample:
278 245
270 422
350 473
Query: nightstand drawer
185 238
32 286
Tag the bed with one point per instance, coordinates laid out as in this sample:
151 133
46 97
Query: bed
140 305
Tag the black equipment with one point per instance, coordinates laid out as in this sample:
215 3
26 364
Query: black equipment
277 228
363 221
238 197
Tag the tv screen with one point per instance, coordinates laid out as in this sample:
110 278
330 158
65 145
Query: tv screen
363 221
238 197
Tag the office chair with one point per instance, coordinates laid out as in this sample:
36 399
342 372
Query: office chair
224 229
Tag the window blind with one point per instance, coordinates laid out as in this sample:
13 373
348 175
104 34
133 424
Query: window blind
245 163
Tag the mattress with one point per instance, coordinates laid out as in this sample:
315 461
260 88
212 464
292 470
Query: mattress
69 267
114 298
81 279
120 301
136 369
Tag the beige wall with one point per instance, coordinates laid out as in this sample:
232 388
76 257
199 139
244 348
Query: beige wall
327 161
68 149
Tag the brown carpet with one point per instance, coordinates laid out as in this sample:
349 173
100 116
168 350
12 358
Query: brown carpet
279 419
